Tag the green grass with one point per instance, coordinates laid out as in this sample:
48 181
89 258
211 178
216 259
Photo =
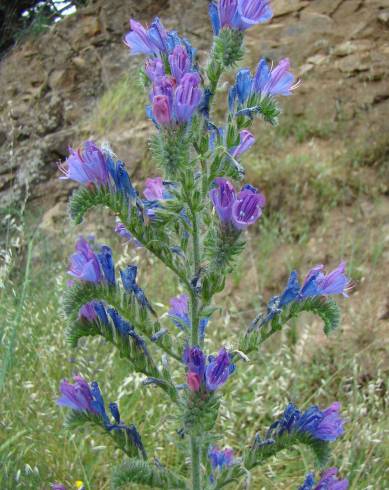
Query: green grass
351 366
124 101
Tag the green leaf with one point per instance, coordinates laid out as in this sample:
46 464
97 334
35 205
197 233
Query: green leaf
325 308
131 347
84 198
127 306
256 455
76 419
144 473
155 236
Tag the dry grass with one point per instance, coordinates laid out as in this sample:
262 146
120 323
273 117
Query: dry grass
352 366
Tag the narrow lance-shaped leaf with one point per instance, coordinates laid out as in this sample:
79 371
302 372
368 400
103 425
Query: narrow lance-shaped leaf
140 472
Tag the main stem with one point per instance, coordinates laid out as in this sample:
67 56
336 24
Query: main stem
195 441
196 463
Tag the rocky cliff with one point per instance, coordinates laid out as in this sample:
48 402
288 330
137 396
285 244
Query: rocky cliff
51 85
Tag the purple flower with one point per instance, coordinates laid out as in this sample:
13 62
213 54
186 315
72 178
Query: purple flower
158 35
187 97
326 425
223 197
316 283
239 14
138 40
180 62
329 481
154 189
84 264
278 81
246 142
77 396
220 457
218 370
87 312
57 486
330 426
179 310
179 313
227 11
86 166
247 208
164 86
195 360
161 110
250 13
154 68
122 231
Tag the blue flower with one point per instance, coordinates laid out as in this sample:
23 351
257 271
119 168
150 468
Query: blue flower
291 292
101 313
243 85
219 459
238 14
214 16
277 81
326 425
128 276
328 481
179 313
122 326
107 265
87 166
308 482
218 370
121 179
84 264
316 283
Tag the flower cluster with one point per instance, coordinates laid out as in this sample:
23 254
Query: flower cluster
237 209
89 266
174 102
176 92
154 40
324 425
83 397
91 166
315 284
266 82
238 14
179 313
207 375
328 481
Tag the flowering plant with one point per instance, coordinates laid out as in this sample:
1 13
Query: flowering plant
193 218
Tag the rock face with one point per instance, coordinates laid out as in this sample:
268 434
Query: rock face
50 85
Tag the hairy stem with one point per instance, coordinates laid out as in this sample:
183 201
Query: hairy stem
169 265
196 462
